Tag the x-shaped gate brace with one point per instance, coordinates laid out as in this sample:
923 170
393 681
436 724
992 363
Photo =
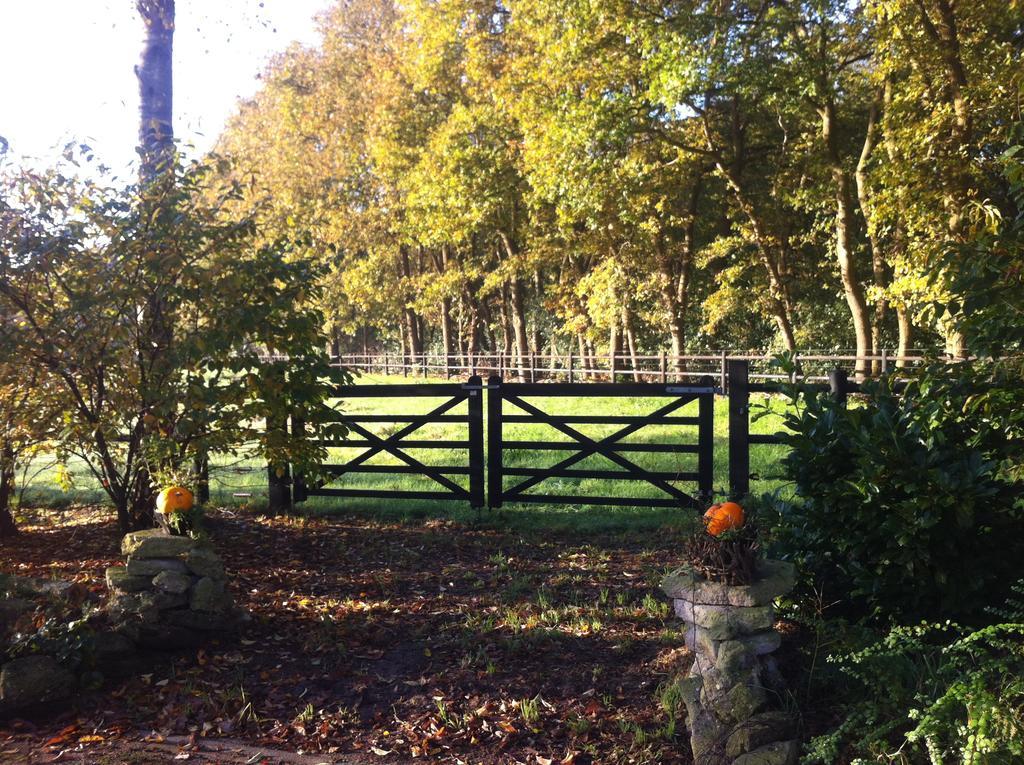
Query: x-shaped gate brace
609 446
394 445
590 447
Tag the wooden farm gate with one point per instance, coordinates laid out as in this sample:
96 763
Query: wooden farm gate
612 447
396 444
523 396
501 395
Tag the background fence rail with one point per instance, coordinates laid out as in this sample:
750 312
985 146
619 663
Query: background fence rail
812 366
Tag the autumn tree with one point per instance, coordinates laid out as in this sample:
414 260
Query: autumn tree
523 175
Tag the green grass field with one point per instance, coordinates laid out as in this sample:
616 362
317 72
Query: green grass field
241 481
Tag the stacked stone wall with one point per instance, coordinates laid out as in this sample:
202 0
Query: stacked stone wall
733 688
171 593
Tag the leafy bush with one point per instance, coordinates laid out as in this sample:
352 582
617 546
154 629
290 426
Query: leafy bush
934 693
908 504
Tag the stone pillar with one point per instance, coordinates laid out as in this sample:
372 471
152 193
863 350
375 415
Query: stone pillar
171 593
734 683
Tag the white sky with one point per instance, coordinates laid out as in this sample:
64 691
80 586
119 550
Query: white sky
66 69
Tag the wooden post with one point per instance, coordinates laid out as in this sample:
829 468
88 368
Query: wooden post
706 441
447 366
837 382
739 427
385 363
475 401
570 363
405 367
722 373
494 435
885 361
664 368
611 365
533 367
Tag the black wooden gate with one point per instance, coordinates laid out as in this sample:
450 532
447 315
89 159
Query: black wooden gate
396 444
611 447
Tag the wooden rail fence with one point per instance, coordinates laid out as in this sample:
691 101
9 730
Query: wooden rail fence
660 368
480 467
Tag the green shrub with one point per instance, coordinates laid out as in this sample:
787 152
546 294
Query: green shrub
934 693
908 504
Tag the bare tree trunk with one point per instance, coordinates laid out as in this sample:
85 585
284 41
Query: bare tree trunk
844 238
906 333
155 76
945 35
675 282
878 264
614 345
582 342
519 325
156 148
412 329
447 340
536 343
8 527
506 325
627 326
401 342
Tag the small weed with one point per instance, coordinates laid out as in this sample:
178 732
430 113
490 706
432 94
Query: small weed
450 720
654 607
578 726
529 709
307 715
670 696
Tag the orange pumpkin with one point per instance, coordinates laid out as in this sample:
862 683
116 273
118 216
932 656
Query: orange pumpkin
174 499
722 517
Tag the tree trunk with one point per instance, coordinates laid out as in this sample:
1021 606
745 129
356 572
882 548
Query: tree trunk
536 343
8 527
771 255
627 327
675 277
844 239
582 342
878 264
156 149
614 347
413 332
522 345
906 333
446 316
412 329
945 35
154 73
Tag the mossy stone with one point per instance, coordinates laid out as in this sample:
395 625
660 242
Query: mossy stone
155 543
119 580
